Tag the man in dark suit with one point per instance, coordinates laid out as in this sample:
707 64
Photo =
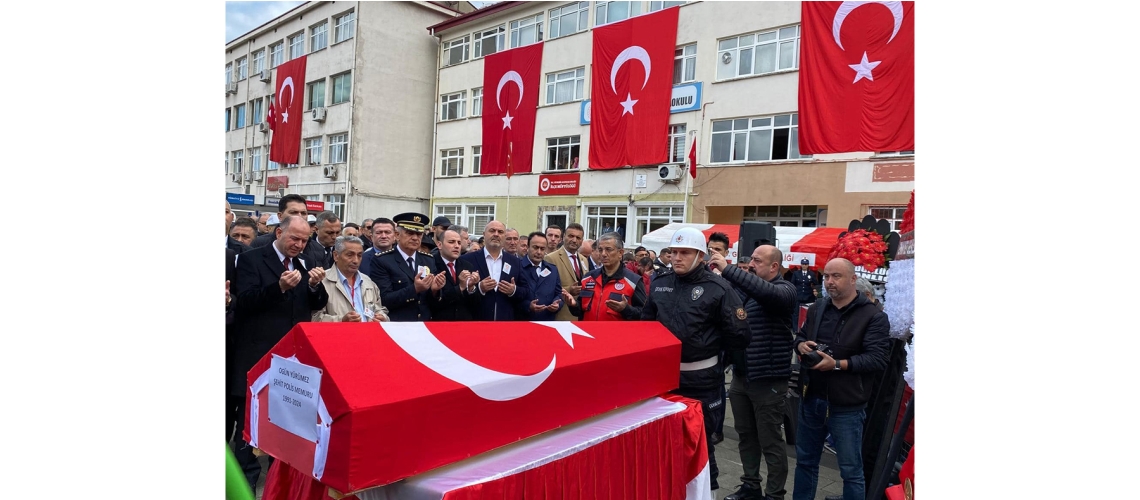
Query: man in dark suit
458 299
231 243
290 204
407 278
328 228
383 237
502 293
231 406
276 289
541 280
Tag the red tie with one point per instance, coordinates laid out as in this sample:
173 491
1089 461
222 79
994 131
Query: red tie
451 266
577 270
285 262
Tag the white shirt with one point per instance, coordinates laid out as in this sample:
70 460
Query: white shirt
406 256
494 267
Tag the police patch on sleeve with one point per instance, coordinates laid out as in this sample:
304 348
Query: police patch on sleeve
740 314
697 292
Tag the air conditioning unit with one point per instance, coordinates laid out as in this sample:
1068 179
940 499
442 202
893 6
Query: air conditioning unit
266 75
263 127
258 175
319 114
248 176
670 173
231 88
235 177
330 171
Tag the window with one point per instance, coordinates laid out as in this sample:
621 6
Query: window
239 110
297 45
562 153
566 86
685 64
342 87
569 19
654 218
276 54
242 68
476 159
237 163
313 151
893 214
257 105
526 31
452 106
786 215
338 148
656 6
319 38
229 73
601 220
227 119
451 162
259 61
316 94
345 27
612 12
335 203
908 152
758 53
477 101
227 163
475 217
456 51
490 41
255 159
676 145
756 139
272 164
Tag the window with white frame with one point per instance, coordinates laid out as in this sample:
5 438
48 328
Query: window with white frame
338 148
316 92
276 54
756 139
342 88
239 110
526 31
758 53
452 106
612 12
271 165
227 119
454 213
258 61
474 217
676 144
477 102
313 151
257 106
569 19
239 157
562 153
255 159
335 203
297 45
566 86
345 27
685 64
229 72
456 51
785 215
319 37
242 68
451 162
649 219
656 6
604 219
893 214
488 42
476 159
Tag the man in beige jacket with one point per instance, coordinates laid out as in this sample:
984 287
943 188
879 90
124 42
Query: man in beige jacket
572 266
353 296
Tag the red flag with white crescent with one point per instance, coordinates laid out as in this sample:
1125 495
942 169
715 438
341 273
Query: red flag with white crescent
288 112
511 82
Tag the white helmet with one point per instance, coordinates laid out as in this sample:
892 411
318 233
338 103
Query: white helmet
688 237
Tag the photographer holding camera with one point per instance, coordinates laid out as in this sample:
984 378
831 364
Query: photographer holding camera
843 343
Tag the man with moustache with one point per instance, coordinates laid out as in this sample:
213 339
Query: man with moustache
513 244
611 292
383 238
571 266
244 230
353 297
407 278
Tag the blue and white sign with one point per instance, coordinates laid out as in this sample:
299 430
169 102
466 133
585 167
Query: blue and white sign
686 97
239 199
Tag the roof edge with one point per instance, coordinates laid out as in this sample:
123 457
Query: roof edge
471 16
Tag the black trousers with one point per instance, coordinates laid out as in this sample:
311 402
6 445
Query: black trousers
706 386
243 452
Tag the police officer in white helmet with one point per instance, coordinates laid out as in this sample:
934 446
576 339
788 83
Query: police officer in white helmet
707 316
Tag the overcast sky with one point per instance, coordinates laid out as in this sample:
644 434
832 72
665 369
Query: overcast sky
241 17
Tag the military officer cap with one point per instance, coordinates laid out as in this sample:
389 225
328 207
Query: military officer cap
411 221
804 262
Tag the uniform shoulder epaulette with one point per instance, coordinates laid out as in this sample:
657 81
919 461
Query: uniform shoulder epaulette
421 252
388 251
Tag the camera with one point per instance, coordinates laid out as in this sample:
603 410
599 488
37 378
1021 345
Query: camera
813 358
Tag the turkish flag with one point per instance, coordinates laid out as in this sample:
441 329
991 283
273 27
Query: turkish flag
632 85
856 77
271 117
693 159
511 82
289 112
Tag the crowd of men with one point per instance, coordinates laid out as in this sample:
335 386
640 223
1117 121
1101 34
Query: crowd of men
742 317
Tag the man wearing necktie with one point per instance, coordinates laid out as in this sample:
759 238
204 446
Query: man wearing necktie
572 266
458 299
408 279
541 281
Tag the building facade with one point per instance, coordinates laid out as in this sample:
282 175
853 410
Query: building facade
368 100
735 93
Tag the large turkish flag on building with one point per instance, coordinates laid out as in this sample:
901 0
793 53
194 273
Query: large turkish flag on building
288 112
631 88
511 82
856 77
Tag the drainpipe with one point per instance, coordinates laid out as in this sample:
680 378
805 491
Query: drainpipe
351 119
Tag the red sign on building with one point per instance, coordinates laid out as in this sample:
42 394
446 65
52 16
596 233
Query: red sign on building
315 206
276 182
558 184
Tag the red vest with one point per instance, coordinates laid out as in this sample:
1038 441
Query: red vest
595 294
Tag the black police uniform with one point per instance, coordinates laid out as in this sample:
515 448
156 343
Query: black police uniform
396 277
805 285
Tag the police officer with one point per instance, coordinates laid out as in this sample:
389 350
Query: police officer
407 277
611 292
805 281
707 316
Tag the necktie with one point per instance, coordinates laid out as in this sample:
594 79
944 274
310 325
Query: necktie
451 266
412 264
285 262
577 270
